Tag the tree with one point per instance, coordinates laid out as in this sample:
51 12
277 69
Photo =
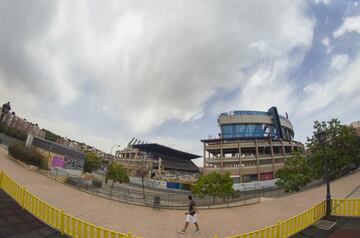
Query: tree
295 174
116 173
341 149
142 171
92 162
214 184
51 136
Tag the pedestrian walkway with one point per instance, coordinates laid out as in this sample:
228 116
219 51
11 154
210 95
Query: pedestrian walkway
15 222
355 193
164 223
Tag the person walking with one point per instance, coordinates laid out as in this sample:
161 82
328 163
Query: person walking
191 216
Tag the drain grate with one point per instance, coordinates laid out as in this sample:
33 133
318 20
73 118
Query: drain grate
325 225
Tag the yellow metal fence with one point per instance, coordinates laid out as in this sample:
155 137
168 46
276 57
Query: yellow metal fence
345 207
290 226
53 216
339 207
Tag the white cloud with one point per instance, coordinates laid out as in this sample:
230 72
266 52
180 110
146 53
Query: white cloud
350 24
326 42
325 2
163 60
341 89
338 62
148 63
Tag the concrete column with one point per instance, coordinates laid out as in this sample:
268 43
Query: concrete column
221 153
204 167
240 162
257 159
283 150
272 156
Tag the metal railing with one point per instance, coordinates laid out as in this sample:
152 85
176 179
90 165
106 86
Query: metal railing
345 207
288 227
339 207
164 199
55 217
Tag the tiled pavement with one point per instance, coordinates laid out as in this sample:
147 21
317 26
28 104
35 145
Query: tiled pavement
18 223
346 227
355 193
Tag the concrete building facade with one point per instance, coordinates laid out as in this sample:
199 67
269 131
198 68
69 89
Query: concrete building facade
252 145
356 126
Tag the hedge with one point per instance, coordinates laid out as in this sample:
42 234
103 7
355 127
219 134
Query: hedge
28 156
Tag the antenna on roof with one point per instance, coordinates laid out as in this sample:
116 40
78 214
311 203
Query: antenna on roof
287 116
131 140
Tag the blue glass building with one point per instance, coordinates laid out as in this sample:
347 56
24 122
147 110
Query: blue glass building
252 145
255 124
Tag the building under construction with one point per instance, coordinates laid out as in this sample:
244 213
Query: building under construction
161 159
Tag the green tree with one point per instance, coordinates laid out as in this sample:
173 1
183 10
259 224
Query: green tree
341 148
295 174
2 127
116 173
51 136
214 184
92 162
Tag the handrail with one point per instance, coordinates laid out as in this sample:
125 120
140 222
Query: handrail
55 217
346 207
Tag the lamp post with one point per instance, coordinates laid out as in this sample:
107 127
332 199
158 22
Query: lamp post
4 110
113 148
321 137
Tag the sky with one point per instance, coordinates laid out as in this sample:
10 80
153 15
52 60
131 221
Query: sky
103 72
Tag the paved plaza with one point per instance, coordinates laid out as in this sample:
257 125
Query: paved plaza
164 223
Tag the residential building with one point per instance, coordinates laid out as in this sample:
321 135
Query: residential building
13 121
356 126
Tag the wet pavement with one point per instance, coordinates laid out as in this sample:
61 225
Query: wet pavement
16 222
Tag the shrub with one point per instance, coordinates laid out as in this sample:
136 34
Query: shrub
28 156
97 183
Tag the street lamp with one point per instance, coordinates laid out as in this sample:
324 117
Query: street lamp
113 148
5 110
321 137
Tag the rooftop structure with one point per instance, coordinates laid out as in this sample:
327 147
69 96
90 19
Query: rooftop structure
167 158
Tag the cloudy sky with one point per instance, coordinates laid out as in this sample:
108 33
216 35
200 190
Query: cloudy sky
103 72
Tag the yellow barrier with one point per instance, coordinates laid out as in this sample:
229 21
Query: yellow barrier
345 207
55 217
290 226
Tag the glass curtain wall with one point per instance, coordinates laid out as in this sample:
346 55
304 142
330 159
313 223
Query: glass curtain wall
246 130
